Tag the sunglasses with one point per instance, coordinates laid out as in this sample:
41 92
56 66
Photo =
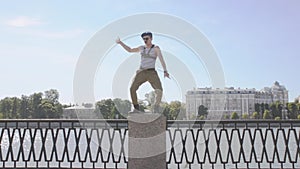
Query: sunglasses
145 39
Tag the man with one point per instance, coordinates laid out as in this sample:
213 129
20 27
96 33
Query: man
149 53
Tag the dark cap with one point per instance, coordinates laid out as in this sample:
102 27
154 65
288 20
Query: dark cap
146 34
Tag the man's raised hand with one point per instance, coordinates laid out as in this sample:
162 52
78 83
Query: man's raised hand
118 41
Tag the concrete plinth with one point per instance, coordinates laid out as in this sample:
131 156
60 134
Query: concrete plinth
147 141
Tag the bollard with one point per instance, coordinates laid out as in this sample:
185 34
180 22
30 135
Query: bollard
147 141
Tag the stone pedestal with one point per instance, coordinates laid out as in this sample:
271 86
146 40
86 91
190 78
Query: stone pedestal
147 141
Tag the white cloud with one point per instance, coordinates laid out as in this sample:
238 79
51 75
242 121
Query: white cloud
23 21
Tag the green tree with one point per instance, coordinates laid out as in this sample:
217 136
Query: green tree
111 109
257 107
226 116
68 105
262 108
175 108
123 106
52 95
201 117
267 115
292 110
58 110
9 107
104 108
202 111
277 118
166 109
298 117
115 114
276 109
24 107
34 106
193 116
49 109
46 109
14 111
255 115
5 107
267 106
234 115
35 101
245 116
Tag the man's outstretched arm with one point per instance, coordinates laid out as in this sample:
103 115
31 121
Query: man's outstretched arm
127 48
162 61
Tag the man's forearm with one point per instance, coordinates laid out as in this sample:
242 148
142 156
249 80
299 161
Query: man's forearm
162 61
164 65
127 48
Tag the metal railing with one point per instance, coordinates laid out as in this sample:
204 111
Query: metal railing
234 144
63 143
190 144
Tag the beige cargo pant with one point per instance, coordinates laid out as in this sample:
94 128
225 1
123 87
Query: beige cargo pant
143 76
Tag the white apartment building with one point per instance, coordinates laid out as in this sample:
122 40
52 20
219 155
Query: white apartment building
228 100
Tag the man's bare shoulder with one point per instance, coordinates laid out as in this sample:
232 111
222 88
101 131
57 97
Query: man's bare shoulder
140 48
156 47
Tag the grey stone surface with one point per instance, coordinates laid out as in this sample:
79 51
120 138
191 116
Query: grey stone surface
147 141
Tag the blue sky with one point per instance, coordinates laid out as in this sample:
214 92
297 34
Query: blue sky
257 41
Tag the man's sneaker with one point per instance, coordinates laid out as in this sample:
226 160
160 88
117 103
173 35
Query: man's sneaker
136 106
136 109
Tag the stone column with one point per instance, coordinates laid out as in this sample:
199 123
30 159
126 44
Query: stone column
147 141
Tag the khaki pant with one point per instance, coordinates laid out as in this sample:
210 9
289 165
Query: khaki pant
143 76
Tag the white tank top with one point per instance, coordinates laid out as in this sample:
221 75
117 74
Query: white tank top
148 57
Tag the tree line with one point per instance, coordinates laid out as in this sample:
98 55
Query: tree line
46 105
275 110
118 109
35 106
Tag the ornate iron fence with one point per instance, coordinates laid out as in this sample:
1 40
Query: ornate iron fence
190 144
234 144
63 143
